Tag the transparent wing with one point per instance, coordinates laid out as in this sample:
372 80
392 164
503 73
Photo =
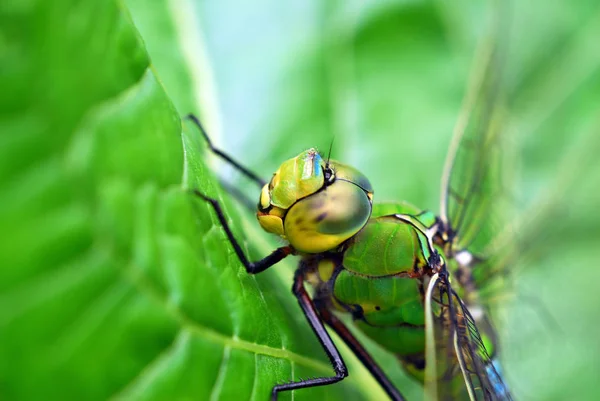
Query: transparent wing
480 373
458 367
526 235
474 180
477 204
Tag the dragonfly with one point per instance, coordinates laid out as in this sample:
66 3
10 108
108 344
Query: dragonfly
408 278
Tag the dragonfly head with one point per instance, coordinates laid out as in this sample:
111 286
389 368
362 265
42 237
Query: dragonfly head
315 204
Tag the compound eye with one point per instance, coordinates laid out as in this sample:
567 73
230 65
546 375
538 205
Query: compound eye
322 221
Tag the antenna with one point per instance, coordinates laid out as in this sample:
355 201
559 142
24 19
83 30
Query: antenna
329 154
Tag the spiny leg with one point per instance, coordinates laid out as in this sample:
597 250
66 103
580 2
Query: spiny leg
310 311
340 328
251 267
254 177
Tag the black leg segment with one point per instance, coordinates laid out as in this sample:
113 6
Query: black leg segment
340 328
251 267
259 181
329 347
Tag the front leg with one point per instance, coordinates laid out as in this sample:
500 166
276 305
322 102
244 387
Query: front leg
251 267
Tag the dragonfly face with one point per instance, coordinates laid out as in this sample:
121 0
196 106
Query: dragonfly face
313 204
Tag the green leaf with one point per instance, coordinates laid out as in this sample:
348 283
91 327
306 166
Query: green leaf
116 282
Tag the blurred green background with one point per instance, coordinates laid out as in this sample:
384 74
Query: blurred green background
116 284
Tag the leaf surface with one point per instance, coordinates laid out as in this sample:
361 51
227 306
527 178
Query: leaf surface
116 283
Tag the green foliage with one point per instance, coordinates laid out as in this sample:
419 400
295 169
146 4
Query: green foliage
115 282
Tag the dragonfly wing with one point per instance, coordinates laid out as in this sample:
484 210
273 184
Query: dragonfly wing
481 375
476 201
476 170
458 367
432 339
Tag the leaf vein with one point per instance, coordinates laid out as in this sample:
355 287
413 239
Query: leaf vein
143 284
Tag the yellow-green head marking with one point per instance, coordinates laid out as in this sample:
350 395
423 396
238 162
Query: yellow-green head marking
313 204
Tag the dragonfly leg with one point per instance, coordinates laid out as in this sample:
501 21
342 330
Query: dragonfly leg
251 267
340 328
244 170
310 311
